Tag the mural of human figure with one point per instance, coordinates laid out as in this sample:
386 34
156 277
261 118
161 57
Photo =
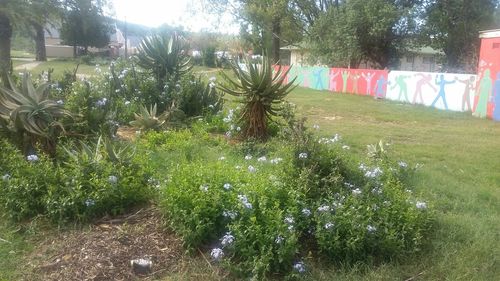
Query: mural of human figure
355 79
496 98
292 73
425 79
368 78
403 88
305 77
469 87
333 80
485 87
317 76
379 87
345 75
442 93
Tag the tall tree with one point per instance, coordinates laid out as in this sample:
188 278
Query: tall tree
452 26
266 24
11 11
47 11
353 31
85 25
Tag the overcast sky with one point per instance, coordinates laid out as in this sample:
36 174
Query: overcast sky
173 12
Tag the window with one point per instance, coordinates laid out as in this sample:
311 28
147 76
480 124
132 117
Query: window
428 60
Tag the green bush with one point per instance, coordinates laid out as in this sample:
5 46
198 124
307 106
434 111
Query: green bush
73 190
266 205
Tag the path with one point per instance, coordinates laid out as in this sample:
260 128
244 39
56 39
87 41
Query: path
28 66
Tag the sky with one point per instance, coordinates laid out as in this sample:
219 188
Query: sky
187 13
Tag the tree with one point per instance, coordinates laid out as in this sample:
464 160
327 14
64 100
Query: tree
265 24
452 26
85 25
353 31
45 11
11 11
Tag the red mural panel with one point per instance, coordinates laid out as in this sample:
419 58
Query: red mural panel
284 69
369 82
487 99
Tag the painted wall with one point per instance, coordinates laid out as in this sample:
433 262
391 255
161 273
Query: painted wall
446 91
487 99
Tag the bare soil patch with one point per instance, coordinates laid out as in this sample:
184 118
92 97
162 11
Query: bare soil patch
105 249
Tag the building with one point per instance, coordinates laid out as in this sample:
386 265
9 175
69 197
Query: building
423 59
487 103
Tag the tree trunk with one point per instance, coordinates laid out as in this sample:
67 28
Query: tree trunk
41 53
5 37
276 40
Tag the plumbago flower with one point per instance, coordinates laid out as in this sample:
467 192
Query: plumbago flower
373 173
306 212
329 225
204 187
421 205
324 208
217 254
252 169
227 186
279 239
356 191
229 214
112 179
6 177
244 200
276 160
227 239
262 159
32 158
371 229
402 164
299 267
89 202
303 155
248 157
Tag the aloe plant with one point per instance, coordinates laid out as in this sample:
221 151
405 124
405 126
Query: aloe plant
261 91
115 151
30 112
165 57
146 119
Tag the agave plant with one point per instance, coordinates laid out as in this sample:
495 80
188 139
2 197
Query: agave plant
165 57
146 119
30 112
116 152
261 91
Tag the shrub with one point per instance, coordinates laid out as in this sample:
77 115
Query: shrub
81 188
262 214
199 98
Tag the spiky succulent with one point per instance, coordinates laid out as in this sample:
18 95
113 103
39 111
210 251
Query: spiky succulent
261 91
164 56
29 110
146 119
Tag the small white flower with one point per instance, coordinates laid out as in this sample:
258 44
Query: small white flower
6 177
112 179
60 102
248 157
211 85
371 229
299 267
402 164
348 185
324 208
303 155
238 129
204 187
252 169
229 134
373 173
227 239
363 167
32 158
244 200
356 191
316 126
238 167
262 159
346 147
329 225
127 102
217 254
227 186
276 160
229 214
222 158
377 190
289 220
89 202
212 79
306 212
279 239
421 205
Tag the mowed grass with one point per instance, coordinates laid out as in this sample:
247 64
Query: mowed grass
460 179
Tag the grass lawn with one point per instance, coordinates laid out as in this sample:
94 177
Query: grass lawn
460 179
60 66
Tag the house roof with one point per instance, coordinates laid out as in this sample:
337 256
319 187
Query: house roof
426 51
493 33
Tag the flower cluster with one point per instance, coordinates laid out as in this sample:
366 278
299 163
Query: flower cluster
303 155
244 201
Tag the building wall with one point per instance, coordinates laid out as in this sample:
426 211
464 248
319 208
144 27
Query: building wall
419 62
59 51
487 99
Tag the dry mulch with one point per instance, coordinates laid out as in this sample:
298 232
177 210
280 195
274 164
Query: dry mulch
105 249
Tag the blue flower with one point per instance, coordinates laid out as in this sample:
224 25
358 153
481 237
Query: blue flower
227 239
32 158
227 186
112 179
303 155
217 254
89 202
299 267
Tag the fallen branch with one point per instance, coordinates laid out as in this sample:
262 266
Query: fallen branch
3 240
414 277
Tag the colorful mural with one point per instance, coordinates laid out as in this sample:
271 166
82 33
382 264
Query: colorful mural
487 98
